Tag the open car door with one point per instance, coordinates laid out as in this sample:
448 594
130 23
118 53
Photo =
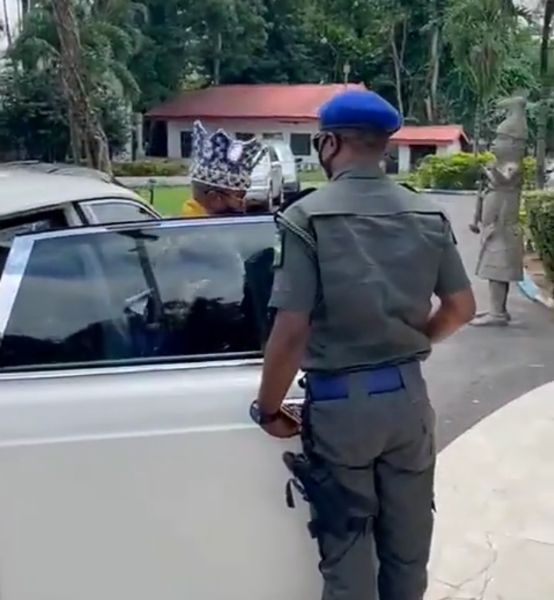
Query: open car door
130 470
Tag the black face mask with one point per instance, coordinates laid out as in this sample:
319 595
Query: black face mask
319 143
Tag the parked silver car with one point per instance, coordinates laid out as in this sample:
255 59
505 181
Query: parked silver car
289 166
129 355
266 190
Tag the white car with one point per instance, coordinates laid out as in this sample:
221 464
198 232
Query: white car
266 190
33 201
289 165
130 470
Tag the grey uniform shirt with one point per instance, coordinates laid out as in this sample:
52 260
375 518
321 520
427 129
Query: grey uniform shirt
368 281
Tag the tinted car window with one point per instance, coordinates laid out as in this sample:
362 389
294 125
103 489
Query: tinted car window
173 292
119 212
10 228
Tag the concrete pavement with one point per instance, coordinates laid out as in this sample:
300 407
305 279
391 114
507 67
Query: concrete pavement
479 371
495 495
494 535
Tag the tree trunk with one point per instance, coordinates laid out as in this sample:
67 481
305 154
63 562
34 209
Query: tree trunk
217 58
542 121
88 139
7 27
431 101
397 62
434 76
477 127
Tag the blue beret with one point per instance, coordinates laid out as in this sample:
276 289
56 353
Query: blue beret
357 109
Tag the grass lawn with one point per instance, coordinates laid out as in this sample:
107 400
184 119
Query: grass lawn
316 176
167 200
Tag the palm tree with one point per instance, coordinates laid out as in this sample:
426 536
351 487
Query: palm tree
109 37
90 43
479 35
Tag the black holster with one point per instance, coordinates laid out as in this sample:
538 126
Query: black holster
331 502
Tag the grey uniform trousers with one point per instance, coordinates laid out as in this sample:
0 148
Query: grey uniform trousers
382 448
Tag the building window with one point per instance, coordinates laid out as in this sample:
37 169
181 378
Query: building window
186 144
301 144
272 136
244 137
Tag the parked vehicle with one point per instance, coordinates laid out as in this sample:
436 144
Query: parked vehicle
33 201
129 355
58 169
289 165
266 190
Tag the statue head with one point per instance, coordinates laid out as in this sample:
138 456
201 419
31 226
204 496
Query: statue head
510 142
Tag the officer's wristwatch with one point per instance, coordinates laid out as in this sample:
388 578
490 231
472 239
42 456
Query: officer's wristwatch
262 418
269 418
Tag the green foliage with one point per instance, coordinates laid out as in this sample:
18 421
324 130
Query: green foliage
529 172
459 171
33 116
149 168
145 52
540 211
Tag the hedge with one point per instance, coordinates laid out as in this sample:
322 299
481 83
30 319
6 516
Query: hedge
539 208
149 168
460 171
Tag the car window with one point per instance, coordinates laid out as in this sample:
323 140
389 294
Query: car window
273 155
171 292
118 212
9 228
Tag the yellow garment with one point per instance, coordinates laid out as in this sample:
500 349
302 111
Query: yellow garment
192 208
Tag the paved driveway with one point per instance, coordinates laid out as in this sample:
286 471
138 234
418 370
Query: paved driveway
481 370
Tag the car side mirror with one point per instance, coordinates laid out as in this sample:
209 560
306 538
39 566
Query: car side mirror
298 160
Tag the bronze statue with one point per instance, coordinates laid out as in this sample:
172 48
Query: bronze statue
497 214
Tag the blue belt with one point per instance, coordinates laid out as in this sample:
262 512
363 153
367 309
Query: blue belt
334 387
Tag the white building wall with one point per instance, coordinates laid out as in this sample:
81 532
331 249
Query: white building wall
257 127
450 149
404 159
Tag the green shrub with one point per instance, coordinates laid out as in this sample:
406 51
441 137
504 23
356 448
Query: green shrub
539 207
529 172
149 168
460 171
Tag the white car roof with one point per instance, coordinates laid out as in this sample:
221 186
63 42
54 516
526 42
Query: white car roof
25 190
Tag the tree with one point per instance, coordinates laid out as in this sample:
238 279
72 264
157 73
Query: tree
88 139
546 90
89 43
33 116
479 33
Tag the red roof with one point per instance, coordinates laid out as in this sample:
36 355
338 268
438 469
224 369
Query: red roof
429 135
279 102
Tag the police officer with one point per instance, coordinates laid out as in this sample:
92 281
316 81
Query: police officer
220 173
357 265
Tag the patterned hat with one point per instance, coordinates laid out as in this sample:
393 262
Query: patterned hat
221 161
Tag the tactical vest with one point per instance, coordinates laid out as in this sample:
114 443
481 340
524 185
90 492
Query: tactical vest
378 248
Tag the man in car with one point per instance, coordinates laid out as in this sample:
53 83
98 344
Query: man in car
220 173
357 265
